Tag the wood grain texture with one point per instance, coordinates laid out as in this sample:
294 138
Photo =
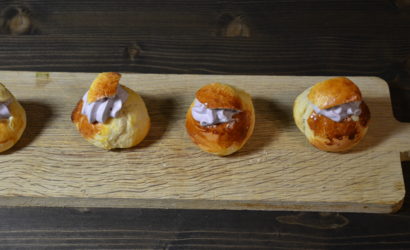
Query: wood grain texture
277 169
181 36
102 228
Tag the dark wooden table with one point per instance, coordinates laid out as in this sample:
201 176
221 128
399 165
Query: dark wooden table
282 37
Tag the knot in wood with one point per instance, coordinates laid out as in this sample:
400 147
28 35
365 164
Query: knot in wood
234 26
402 4
133 51
17 20
315 220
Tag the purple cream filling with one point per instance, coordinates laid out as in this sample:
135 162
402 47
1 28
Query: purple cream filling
101 110
339 113
4 109
206 116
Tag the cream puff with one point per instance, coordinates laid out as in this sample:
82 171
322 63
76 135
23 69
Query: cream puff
12 119
332 114
111 115
221 119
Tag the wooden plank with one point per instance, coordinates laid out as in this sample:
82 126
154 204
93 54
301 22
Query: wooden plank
68 228
277 169
185 54
285 37
35 227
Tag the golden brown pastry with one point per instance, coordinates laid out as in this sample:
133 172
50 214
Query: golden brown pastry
332 114
12 119
111 115
221 119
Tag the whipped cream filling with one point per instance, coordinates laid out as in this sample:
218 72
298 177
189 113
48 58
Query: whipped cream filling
207 117
4 109
102 109
339 113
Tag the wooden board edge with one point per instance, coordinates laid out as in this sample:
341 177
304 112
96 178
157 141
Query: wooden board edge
208 204
390 207
405 156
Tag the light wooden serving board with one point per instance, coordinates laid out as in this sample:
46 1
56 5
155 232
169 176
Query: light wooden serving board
53 165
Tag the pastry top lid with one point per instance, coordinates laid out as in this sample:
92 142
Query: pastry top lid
104 86
5 94
220 96
334 92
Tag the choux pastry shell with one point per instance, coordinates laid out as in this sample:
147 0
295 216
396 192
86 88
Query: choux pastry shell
323 132
226 137
128 128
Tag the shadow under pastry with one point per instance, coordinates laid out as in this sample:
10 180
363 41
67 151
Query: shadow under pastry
161 111
38 116
270 117
380 127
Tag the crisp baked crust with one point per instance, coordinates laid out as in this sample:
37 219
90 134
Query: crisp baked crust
126 130
5 94
87 130
105 85
338 136
334 92
223 96
224 138
325 133
11 129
